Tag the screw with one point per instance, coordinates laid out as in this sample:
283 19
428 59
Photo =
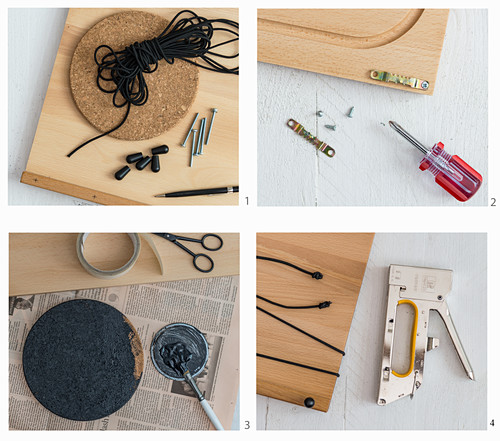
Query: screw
200 139
328 126
203 125
425 84
211 124
320 113
190 130
192 148
350 112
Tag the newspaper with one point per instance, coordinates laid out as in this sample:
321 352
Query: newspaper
211 305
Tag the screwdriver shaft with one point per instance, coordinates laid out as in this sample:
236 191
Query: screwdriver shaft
408 137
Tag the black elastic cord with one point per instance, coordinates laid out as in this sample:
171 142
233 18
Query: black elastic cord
189 38
301 331
321 305
102 134
316 275
293 363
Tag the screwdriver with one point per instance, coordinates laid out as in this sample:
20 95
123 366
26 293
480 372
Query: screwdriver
452 173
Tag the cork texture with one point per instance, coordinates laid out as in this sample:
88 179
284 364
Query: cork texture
172 88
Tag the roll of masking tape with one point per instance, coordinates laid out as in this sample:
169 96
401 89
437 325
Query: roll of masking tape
108 274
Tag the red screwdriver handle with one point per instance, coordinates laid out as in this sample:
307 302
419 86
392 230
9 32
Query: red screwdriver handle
452 173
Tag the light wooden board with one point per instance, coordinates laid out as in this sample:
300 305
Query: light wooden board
350 43
341 258
43 262
89 174
447 399
374 165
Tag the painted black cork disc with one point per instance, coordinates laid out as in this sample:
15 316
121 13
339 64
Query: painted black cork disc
83 360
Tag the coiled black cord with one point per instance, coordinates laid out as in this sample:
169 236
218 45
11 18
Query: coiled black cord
189 38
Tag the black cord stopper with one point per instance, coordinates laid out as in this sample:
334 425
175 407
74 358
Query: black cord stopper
317 275
309 402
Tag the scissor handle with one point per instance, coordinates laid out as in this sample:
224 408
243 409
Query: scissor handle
205 258
206 236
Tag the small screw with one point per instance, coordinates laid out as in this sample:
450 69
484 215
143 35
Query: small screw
425 84
349 115
190 130
193 147
320 113
328 126
200 138
211 123
204 123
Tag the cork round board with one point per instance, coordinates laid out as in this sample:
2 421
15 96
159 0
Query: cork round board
172 88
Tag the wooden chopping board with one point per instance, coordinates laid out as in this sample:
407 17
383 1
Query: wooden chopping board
90 173
341 258
350 43
47 262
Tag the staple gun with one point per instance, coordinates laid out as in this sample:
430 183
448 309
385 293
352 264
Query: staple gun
423 289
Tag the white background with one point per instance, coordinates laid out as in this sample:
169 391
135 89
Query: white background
249 219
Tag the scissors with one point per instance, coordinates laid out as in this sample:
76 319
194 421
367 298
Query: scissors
203 241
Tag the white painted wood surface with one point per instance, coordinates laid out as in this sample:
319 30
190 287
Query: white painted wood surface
447 398
36 34
28 82
373 164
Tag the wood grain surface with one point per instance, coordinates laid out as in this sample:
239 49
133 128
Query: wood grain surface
341 258
62 127
373 165
350 43
45 262
447 399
